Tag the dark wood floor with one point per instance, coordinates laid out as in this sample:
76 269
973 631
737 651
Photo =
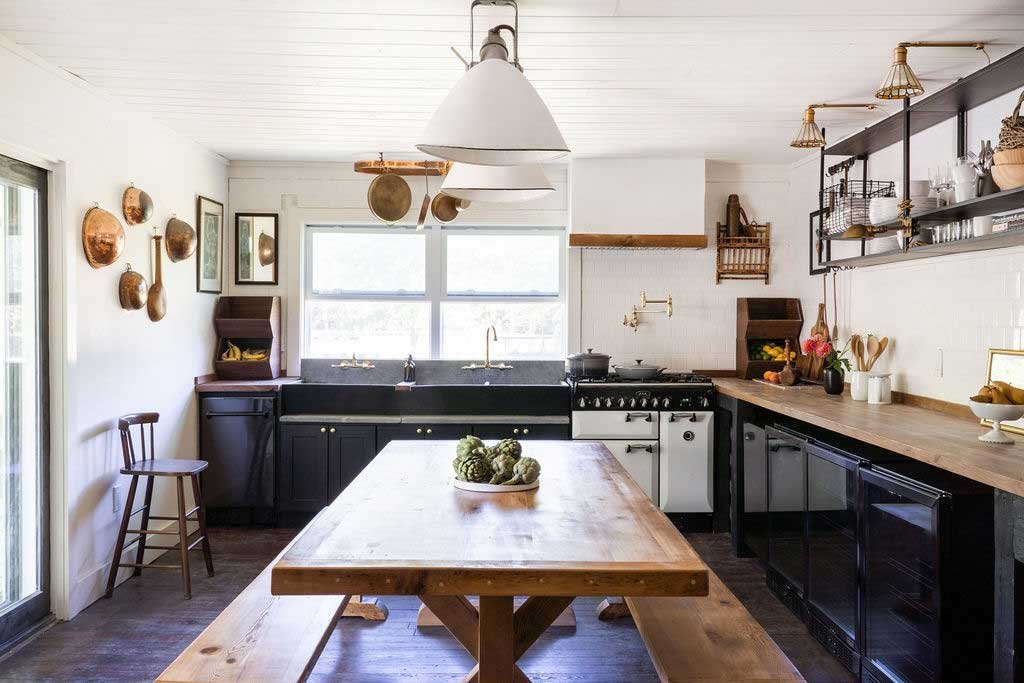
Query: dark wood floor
134 635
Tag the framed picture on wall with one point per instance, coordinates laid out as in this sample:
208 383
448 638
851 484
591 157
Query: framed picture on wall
210 261
818 250
256 249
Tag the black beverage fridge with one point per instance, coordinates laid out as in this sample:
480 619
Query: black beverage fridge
927 595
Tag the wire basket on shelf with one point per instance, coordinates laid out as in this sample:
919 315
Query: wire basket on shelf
846 206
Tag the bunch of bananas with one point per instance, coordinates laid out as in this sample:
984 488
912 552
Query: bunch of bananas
233 352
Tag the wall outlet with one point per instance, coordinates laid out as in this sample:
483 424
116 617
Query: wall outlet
938 364
116 498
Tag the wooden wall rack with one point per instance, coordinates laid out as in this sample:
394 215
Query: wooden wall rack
747 257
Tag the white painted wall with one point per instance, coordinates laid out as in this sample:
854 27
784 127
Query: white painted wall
963 304
114 362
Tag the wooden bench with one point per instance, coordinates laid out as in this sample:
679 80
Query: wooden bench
260 637
708 639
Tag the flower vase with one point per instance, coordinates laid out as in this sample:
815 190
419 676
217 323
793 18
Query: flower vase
833 380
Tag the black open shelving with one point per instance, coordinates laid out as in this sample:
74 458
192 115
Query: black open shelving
953 101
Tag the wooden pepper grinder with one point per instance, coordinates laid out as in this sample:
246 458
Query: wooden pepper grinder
787 377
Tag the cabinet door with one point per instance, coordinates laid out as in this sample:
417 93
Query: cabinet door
350 449
302 470
419 430
521 431
640 460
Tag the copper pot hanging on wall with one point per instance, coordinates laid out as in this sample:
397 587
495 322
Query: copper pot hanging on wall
102 237
136 205
132 289
180 239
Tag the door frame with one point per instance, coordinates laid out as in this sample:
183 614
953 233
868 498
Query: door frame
61 313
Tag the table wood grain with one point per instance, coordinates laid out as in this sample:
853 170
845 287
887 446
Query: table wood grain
401 528
934 437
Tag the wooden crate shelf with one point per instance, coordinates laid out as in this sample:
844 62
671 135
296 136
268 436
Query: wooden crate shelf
248 322
746 257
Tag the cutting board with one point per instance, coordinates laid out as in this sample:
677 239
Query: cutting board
808 364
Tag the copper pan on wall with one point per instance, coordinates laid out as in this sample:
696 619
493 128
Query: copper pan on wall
136 205
132 289
102 237
180 240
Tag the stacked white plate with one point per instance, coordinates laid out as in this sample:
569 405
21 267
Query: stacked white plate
924 203
881 210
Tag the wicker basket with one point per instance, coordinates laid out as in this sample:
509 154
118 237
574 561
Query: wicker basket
1011 135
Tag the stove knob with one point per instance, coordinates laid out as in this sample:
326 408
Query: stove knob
607 403
583 402
632 403
643 403
705 402
622 403
665 402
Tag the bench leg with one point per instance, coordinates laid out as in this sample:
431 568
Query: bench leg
612 608
370 610
186 579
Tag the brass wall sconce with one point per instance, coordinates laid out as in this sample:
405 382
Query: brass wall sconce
632 319
901 81
809 134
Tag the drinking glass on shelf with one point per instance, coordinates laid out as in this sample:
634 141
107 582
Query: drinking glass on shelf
935 182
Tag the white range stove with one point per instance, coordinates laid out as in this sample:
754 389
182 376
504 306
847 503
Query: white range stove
660 430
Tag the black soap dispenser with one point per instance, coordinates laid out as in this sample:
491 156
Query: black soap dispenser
409 370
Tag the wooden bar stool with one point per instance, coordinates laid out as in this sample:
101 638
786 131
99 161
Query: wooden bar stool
150 467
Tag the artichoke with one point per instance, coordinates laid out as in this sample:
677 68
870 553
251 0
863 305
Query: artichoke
467 444
526 471
509 447
503 465
474 468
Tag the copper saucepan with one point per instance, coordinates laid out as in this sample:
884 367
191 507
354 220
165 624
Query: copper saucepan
132 289
102 237
136 205
180 240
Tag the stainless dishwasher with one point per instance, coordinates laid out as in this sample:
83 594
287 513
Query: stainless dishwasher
236 436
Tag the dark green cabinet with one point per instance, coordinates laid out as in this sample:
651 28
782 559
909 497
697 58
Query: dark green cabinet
318 461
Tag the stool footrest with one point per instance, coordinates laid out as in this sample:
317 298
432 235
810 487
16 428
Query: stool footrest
168 518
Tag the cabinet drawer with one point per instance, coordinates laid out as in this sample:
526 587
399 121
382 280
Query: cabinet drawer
615 424
521 431
416 430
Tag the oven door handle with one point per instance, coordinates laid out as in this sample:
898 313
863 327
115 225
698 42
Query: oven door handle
678 416
639 447
631 416
238 413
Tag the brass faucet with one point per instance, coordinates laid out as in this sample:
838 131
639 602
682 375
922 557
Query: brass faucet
489 334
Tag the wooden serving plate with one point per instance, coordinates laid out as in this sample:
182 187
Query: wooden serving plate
493 488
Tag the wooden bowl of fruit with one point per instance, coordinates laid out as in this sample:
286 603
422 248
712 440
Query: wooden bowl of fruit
995 403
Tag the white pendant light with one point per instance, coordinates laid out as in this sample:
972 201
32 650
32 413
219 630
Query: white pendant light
494 116
497 183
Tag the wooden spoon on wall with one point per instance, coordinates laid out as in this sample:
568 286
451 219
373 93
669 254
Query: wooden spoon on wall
156 300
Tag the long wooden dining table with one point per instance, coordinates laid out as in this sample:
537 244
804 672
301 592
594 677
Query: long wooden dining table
401 528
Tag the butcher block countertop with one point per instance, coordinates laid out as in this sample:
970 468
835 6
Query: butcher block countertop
243 385
934 437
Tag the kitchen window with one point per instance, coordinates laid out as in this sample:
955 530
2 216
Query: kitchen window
389 292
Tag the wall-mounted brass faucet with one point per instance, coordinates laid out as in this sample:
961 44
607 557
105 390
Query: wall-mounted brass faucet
633 319
354 363
489 333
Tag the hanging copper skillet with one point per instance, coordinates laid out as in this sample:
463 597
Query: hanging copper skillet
102 237
132 289
180 240
389 197
136 205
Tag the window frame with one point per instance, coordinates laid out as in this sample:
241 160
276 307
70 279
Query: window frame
436 274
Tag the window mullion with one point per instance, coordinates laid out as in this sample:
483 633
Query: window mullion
435 286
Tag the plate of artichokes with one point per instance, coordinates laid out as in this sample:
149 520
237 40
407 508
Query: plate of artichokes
501 468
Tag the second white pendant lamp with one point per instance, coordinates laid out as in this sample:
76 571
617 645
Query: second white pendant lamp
497 183
494 116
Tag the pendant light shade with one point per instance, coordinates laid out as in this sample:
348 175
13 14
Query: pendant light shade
901 81
497 183
809 134
493 117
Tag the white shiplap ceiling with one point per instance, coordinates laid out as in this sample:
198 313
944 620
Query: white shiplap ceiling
333 79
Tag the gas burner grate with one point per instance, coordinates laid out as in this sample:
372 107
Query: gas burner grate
664 378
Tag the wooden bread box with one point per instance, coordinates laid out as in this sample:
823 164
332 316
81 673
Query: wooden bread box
765 320
250 322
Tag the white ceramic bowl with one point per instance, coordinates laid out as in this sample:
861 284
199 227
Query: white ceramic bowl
996 413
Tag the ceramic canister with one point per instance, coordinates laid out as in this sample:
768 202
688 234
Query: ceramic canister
859 385
880 388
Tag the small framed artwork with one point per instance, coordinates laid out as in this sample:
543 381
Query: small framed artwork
817 247
210 261
1006 365
256 249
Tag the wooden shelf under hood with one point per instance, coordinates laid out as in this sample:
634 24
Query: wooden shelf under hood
612 241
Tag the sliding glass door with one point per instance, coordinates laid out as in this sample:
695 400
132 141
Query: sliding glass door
24 571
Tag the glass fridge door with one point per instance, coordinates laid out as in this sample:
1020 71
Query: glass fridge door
832 537
901 600
786 490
